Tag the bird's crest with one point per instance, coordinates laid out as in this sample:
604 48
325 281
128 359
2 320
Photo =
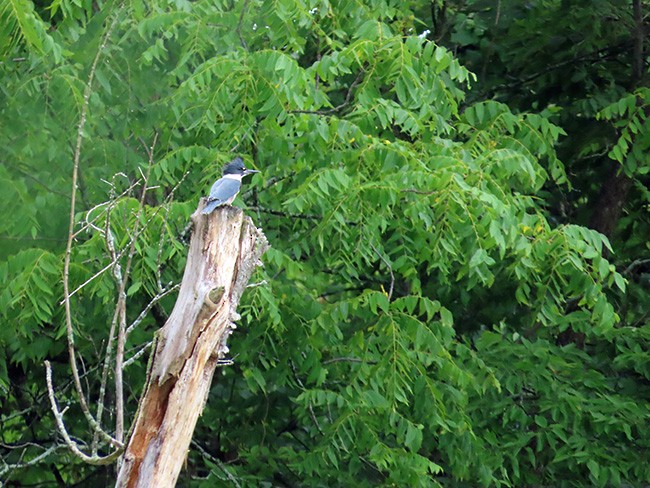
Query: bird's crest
235 166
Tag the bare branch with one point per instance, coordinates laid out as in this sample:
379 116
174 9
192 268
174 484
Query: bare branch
58 415
635 264
92 278
243 138
255 285
138 354
150 305
594 56
22 445
121 303
137 235
90 223
68 252
117 272
30 175
20 465
104 379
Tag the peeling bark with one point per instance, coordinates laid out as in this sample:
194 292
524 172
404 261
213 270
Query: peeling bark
224 250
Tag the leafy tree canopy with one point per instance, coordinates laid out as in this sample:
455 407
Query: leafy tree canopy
438 307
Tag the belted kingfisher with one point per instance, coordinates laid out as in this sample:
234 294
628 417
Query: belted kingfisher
225 189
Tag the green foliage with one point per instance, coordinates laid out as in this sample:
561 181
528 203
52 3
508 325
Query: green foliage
20 22
560 402
429 314
631 121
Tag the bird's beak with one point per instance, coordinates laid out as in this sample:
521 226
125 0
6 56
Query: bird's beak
250 172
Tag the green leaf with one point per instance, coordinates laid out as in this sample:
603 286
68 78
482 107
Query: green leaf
133 288
620 281
594 469
413 438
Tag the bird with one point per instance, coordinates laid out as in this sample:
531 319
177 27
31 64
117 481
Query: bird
225 189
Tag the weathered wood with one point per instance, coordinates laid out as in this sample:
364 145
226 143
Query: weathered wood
224 250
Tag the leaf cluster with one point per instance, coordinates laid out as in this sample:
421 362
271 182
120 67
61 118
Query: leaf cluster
425 317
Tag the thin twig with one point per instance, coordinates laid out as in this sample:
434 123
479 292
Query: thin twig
634 264
20 465
138 354
270 182
390 269
149 306
309 406
110 245
104 379
93 277
255 285
50 190
22 445
218 462
136 236
90 223
286 214
243 138
597 55
346 289
344 359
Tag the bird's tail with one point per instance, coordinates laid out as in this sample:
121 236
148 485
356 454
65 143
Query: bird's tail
210 206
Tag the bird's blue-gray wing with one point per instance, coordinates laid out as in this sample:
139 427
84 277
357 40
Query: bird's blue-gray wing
221 193
224 188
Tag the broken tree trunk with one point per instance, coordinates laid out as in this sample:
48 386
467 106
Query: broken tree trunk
224 250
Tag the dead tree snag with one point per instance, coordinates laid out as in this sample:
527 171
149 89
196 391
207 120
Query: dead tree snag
224 250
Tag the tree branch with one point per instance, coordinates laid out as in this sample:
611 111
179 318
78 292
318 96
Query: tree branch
58 415
218 462
150 305
20 465
240 23
598 55
348 360
121 303
286 214
339 107
68 251
638 59
309 405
